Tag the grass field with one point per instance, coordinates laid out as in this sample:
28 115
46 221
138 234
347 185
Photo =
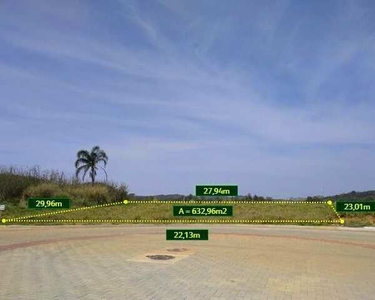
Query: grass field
242 212
262 213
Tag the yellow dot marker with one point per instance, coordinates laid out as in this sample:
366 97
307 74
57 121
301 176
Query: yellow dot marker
126 201
329 202
4 220
342 221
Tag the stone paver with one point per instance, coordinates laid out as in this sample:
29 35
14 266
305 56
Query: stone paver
238 262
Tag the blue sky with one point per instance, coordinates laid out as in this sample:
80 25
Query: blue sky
275 96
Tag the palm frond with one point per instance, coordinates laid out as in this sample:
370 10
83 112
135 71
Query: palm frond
106 175
95 150
83 161
83 154
102 157
101 153
84 167
84 174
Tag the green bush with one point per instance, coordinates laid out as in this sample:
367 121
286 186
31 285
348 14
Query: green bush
12 186
117 192
14 181
88 194
43 190
79 194
97 194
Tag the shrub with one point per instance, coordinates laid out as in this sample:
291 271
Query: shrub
12 186
117 192
43 190
98 194
88 194
14 181
80 194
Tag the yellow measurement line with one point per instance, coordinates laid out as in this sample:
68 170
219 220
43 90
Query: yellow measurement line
330 203
221 202
27 218
66 211
169 221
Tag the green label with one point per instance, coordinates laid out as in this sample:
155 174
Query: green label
48 203
203 211
216 190
355 206
187 234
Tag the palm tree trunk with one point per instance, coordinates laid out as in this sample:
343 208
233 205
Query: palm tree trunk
92 176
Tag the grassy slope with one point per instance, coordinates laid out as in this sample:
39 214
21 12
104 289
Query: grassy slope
151 211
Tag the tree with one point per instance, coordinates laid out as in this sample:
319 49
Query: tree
89 161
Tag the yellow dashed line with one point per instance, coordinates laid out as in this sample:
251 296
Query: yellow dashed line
26 219
222 202
330 203
63 211
177 221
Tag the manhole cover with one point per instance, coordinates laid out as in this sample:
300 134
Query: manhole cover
177 250
160 257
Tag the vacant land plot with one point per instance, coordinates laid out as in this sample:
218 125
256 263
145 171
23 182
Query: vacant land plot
267 212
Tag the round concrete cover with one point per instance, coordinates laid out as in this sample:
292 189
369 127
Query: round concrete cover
160 257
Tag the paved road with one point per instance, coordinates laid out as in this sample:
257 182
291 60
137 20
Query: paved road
238 262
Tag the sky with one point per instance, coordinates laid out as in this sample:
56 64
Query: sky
277 97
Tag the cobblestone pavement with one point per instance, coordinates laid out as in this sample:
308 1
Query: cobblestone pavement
238 262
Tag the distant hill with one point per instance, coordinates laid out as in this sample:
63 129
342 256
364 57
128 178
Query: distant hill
354 196
186 197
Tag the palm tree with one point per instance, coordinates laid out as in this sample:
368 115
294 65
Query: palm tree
89 161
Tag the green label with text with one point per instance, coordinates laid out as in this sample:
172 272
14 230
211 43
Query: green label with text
355 206
50 203
216 190
203 211
187 234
